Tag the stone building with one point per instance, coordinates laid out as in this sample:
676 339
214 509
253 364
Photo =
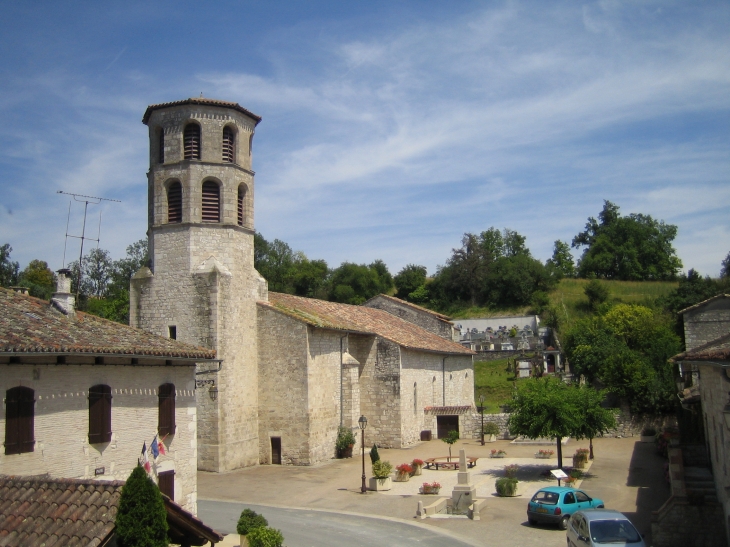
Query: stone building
288 378
323 364
82 394
429 320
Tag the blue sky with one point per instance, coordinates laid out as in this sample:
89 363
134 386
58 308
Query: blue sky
389 128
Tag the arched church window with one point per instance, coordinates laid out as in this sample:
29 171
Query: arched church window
211 202
229 144
241 205
174 203
191 138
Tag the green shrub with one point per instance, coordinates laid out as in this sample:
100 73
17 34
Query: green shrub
345 438
490 428
141 518
250 520
597 293
374 456
265 537
506 486
382 469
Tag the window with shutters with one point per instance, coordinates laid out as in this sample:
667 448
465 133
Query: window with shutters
229 144
241 205
19 413
174 203
211 202
191 141
161 147
166 483
166 410
100 414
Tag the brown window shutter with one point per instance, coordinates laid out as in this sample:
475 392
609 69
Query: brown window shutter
100 414
241 204
161 151
211 202
166 410
229 145
19 420
191 141
174 203
166 483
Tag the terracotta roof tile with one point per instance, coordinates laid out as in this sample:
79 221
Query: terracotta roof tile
200 101
717 350
32 517
31 325
361 319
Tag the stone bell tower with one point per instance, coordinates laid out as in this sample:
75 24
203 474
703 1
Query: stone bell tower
201 286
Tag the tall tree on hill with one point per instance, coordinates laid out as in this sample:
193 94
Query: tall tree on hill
9 270
629 248
38 278
409 279
355 283
725 270
562 261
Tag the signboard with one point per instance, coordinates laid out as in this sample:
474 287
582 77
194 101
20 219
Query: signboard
558 474
99 471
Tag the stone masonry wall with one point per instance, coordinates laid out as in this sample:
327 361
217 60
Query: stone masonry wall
423 319
707 323
61 425
283 387
380 394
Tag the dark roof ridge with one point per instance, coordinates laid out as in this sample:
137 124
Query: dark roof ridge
199 101
699 304
438 315
701 353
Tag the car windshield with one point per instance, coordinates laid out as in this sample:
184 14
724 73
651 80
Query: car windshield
548 498
614 531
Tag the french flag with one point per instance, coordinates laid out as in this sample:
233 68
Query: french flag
144 460
160 446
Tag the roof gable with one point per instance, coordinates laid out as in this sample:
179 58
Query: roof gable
31 325
704 303
716 350
407 304
361 319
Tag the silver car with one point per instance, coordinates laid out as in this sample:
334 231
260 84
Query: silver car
594 527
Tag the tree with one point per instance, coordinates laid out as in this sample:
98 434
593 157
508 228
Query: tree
545 407
141 519
562 261
595 420
631 248
38 278
596 292
725 270
450 439
408 280
8 268
356 283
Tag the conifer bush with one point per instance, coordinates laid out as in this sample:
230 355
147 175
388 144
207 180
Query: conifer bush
141 519
249 521
374 456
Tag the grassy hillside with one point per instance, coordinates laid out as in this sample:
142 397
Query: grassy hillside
492 379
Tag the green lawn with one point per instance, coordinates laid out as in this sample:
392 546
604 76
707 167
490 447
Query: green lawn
492 380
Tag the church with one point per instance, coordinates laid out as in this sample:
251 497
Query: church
291 371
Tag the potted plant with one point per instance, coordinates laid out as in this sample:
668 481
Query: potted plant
544 454
506 487
430 488
450 439
265 537
510 471
381 476
648 434
374 456
417 466
345 441
248 521
497 453
491 430
403 472
580 458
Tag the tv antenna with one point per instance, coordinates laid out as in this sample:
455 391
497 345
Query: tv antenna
85 200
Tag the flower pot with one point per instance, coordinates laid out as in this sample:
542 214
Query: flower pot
497 455
429 490
506 489
580 462
540 456
402 477
243 540
380 484
490 438
346 452
417 470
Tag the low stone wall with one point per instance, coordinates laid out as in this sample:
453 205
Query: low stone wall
632 426
475 431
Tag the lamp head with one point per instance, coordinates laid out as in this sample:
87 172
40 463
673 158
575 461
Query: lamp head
362 423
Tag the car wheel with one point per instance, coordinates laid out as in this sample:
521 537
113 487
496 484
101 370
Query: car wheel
563 524
531 522
600 506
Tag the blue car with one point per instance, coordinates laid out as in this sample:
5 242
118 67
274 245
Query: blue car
555 504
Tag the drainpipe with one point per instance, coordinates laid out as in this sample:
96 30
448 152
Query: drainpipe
443 380
342 395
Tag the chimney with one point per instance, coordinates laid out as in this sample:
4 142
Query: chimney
20 290
62 299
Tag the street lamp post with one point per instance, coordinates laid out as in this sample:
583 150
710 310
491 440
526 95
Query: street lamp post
362 423
481 410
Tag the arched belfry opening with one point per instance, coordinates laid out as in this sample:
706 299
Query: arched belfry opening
229 144
211 202
191 141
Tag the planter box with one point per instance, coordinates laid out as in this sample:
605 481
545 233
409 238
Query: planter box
543 456
379 485
345 452
497 455
402 477
417 470
490 438
580 463
429 490
243 541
